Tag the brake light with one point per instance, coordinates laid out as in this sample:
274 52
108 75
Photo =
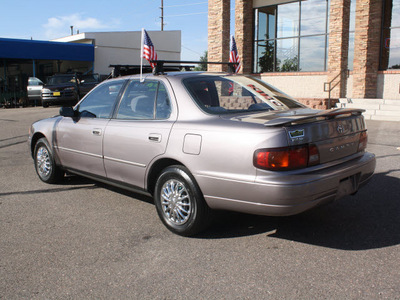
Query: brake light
288 158
362 144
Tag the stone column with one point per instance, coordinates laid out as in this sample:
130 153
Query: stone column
366 48
338 46
218 33
244 35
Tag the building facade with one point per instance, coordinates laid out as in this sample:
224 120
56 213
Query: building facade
123 48
89 52
316 50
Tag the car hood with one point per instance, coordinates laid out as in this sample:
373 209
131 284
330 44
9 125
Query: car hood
293 116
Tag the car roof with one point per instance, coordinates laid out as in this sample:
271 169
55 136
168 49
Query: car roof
176 75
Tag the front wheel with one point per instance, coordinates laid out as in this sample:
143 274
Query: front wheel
45 164
180 203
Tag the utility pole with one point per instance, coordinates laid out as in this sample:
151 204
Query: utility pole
162 15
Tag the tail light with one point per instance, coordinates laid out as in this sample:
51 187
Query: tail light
288 158
362 144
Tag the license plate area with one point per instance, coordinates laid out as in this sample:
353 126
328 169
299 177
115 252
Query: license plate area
57 94
348 186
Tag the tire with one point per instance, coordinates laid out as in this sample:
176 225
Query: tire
180 203
45 165
45 104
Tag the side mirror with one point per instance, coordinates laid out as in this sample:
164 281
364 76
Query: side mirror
67 112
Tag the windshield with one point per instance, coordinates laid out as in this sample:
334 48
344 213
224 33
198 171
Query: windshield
236 94
61 80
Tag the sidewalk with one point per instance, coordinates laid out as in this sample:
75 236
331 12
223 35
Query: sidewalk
383 133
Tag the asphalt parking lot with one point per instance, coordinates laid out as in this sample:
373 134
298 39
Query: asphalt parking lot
81 239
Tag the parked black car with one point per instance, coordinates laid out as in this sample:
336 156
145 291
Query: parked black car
67 88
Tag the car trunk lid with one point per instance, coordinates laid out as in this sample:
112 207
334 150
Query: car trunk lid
336 133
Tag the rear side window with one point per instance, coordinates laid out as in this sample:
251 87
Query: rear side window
148 100
236 94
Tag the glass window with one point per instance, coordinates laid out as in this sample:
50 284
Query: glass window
350 58
287 55
265 56
266 23
90 78
312 53
163 104
351 51
146 100
313 17
238 94
61 79
390 49
34 81
288 20
392 44
291 37
395 14
100 102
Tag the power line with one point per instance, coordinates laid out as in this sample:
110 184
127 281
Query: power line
198 13
191 50
198 3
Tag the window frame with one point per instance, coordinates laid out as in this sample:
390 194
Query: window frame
275 99
154 118
274 41
116 100
383 39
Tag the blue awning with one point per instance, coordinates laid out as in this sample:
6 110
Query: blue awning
31 49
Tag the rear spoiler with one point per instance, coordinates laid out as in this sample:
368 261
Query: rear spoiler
322 115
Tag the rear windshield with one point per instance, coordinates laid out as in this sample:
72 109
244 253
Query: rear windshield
236 94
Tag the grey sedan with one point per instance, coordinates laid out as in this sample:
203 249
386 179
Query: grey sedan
199 142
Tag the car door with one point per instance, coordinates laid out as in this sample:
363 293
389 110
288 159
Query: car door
79 140
139 132
34 87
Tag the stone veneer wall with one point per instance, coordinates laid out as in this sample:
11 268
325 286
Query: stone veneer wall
366 48
218 33
244 19
363 82
338 46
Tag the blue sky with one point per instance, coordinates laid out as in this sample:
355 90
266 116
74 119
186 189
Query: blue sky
46 20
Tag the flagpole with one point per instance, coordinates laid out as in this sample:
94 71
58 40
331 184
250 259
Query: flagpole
141 56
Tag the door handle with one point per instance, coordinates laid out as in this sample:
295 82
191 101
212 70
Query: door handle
155 137
96 131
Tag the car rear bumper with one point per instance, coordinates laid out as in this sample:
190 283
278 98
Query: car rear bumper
288 193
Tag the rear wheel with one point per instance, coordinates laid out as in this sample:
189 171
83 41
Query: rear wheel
180 203
45 165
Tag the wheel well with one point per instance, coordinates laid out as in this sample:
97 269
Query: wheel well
34 140
156 169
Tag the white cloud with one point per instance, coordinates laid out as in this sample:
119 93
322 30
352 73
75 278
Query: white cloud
60 26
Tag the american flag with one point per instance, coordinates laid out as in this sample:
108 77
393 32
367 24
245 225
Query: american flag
148 49
234 56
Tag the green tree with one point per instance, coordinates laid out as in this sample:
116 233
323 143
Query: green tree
204 58
290 64
266 61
